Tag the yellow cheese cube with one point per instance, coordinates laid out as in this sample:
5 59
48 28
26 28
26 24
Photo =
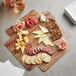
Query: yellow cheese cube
23 49
26 39
22 43
17 44
24 32
18 47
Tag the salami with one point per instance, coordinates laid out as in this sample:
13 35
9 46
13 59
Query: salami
61 44
19 25
38 49
30 22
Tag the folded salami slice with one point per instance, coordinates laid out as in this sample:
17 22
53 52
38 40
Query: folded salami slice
19 25
30 22
61 44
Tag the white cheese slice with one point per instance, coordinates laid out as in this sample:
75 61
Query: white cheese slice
43 29
42 18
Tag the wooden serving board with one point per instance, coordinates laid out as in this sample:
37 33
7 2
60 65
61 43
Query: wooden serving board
10 43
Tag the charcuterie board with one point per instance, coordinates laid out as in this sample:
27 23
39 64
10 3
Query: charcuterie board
10 44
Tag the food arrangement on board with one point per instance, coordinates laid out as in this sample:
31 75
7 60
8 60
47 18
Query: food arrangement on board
35 39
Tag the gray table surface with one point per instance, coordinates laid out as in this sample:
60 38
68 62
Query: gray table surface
66 66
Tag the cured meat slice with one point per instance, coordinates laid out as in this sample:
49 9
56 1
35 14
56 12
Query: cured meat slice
30 22
38 49
61 44
30 51
28 47
19 25
33 52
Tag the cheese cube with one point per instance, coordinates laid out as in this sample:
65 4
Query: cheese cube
24 32
26 39
42 18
